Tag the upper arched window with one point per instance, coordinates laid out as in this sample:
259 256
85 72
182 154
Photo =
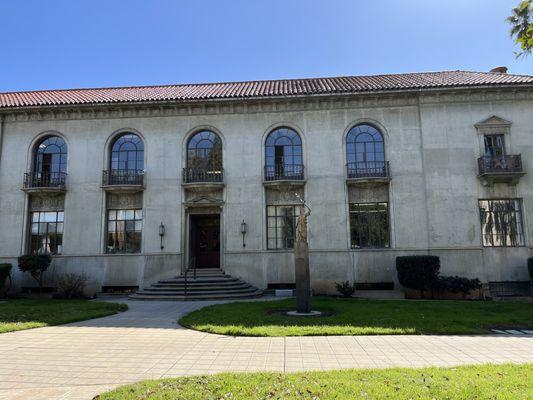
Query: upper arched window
283 155
365 154
127 153
50 162
204 158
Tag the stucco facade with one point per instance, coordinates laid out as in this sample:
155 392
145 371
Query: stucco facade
431 143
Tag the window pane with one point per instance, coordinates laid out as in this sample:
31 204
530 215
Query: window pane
112 215
138 214
129 214
138 226
111 226
120 214
35 217
369 225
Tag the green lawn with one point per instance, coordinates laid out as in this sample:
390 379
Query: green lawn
16 315
361 317
472 382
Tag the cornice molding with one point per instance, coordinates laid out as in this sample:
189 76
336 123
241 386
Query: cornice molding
240 106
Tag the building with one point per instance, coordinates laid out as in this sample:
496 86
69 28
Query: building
132 185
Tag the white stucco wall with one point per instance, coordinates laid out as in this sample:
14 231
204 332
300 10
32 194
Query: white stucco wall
430 142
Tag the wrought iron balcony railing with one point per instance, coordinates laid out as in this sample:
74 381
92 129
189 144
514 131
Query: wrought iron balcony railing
282 172
203 175
500 164
368 169
45 180
119 177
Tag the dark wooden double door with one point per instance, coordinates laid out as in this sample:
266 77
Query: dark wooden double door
205 236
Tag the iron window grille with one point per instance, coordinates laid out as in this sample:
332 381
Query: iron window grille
369 225
281 226
501 223
46 232
124 231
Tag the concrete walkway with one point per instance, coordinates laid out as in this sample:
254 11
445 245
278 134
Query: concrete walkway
80 360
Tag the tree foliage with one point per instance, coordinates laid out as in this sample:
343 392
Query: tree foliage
36 265
521 21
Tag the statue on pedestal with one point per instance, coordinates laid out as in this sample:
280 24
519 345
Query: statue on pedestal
301 262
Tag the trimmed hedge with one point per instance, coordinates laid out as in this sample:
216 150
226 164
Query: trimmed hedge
418 272
530 267
5 272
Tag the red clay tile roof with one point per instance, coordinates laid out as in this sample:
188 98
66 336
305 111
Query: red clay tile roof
242 90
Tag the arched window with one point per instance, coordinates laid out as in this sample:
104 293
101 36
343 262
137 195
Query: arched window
126 163
283 155
365 154
50 162
204 158
127 153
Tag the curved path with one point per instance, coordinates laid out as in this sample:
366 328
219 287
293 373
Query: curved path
80 360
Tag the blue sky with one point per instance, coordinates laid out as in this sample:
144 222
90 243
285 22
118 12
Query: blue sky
94 43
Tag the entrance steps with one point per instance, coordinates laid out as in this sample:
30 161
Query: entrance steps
208 284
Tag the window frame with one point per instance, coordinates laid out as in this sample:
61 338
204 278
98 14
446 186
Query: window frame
55 222
385 242
126 137
115 249
520 223
214 165
296 209
38 157
284 169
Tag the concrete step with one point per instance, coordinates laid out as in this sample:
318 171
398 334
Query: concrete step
209 285
221 296
196 282
199 292
197 288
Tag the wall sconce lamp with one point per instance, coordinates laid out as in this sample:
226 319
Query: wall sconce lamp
161 234
244 227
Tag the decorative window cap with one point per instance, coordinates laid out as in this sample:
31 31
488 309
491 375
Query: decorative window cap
493 125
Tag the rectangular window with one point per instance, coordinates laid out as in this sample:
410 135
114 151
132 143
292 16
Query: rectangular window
46 236
369 225
494 145
501 222
124 231
281 226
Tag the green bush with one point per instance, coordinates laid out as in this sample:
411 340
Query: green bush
345 288
530 267
70 286
418 272
36 265
5 272
457 284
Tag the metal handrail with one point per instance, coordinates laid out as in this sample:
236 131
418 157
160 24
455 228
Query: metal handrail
122 177
44 180
192 263
280 172
203 174
367 169
497 164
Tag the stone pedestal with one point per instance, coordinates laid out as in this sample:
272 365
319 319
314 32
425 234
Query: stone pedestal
302 279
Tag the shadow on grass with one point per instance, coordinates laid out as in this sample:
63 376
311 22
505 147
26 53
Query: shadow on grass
360 317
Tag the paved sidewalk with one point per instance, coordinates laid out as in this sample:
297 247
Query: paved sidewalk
80 360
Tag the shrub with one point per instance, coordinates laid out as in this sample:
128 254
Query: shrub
530 267
345 288
457 284
36 265
418 272
5 272
70 286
